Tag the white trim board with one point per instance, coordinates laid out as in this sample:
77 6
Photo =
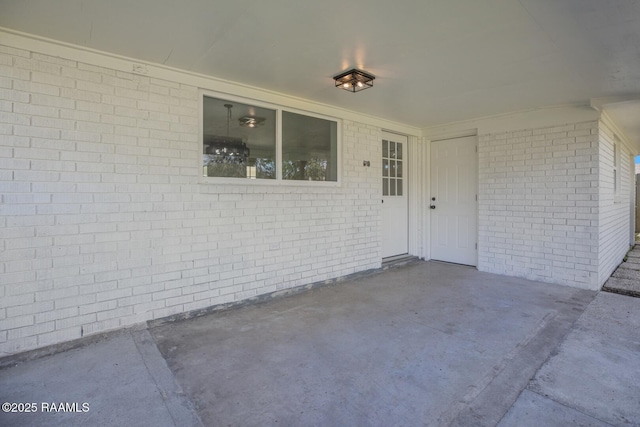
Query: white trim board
530 119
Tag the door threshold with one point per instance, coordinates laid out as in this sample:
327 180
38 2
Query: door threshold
454 263
398 261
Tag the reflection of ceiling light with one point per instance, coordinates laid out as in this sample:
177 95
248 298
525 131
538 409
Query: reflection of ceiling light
354 80
251 121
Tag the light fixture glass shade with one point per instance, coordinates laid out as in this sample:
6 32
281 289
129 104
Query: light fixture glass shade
251 121
354 80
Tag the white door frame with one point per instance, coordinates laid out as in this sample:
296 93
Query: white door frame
416 169
395 213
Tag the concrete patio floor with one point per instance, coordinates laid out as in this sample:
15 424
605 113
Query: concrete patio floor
427 344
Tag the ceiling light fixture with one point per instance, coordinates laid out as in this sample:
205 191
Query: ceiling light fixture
354 80
251 121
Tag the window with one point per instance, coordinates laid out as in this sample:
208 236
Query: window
616 165
239 140
263 142
309 148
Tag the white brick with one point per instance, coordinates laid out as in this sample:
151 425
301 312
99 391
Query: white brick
77 301
59 336
81 76
53 60
26 86
16 322
49 316
14 73
80 95
35 65
70 322
50 101
30 331
94 107
52 79
34 308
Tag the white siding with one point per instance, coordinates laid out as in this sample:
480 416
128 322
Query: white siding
613 236
103 221
538 204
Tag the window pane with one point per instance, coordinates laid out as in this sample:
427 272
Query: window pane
392 187
239 140
399 151
385 167
392 170
392 150
385 187
399 192
399 170
309 148
385 148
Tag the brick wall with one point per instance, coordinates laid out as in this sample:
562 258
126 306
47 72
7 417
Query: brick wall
538 204
103 223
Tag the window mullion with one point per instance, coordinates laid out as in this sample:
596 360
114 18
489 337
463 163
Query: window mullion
278 144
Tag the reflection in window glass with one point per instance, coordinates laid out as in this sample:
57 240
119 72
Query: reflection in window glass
309 148
239 140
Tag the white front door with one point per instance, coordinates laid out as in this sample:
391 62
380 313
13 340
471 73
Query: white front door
453 200
395 211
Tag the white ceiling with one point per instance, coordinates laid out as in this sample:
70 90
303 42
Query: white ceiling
435 61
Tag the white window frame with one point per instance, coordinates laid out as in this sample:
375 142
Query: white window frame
617 182
278 109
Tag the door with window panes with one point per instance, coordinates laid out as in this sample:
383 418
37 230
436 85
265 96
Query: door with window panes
395 205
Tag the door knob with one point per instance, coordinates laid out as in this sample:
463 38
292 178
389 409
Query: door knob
432 206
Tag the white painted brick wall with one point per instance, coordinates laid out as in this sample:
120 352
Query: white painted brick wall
103 223
538 204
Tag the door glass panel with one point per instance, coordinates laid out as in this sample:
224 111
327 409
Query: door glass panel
392 168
